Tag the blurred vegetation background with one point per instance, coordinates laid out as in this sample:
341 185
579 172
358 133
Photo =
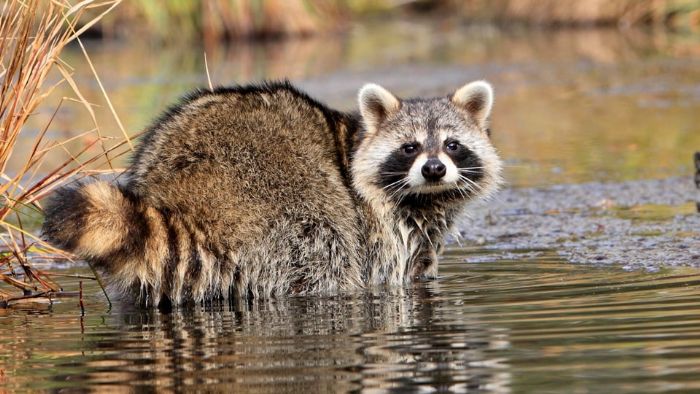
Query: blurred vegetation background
215 20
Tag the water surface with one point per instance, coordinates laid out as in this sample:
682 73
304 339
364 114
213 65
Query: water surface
528 322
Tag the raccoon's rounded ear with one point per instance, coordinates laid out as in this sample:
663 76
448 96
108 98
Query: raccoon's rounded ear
477 99
376 103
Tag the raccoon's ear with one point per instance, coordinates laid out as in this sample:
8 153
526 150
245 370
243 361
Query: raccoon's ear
477 99
376 103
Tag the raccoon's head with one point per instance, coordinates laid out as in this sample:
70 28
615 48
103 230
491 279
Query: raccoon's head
426 150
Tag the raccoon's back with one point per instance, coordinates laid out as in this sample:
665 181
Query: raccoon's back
242 156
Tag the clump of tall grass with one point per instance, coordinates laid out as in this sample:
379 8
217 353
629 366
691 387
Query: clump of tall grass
32 35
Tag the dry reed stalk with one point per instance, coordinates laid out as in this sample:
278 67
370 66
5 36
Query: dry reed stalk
32 35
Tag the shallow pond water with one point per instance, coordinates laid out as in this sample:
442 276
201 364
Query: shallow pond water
530 322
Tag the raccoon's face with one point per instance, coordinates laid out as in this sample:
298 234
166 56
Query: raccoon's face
426 149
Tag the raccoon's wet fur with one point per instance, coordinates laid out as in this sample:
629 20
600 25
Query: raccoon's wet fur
261 190
696 158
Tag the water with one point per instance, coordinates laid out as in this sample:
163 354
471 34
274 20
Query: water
528 323
572 106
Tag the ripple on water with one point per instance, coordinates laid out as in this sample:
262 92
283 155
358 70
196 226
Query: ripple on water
529 321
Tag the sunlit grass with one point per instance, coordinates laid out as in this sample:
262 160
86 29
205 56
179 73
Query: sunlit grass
33 33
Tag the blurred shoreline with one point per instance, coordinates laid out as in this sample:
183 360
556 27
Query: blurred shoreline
215 21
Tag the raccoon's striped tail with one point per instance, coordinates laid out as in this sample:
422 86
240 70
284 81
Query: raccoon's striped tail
116 232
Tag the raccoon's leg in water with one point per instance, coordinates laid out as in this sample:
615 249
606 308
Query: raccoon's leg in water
425 264
697 176
697 170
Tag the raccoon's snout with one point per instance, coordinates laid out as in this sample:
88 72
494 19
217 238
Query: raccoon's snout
433 170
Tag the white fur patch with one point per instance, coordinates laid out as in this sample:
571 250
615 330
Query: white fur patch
415 177
451 174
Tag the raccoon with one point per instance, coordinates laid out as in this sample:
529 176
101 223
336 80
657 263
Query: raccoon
696 159
260 190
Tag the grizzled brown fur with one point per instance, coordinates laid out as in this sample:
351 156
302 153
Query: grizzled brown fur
252 191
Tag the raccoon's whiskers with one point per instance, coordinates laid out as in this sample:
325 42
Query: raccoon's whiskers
472 186
395 187
469 170
399 184
401 198
462 193
398 189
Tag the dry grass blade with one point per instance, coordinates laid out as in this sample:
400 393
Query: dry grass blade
33 34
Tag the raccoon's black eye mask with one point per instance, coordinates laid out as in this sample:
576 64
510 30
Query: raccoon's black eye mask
392 172
467 162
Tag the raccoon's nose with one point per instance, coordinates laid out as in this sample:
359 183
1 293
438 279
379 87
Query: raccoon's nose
433 170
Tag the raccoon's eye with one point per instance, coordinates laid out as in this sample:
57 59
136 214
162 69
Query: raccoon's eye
410 149
452 146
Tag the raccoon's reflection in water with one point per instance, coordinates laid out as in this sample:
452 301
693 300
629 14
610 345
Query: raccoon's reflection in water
380 340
